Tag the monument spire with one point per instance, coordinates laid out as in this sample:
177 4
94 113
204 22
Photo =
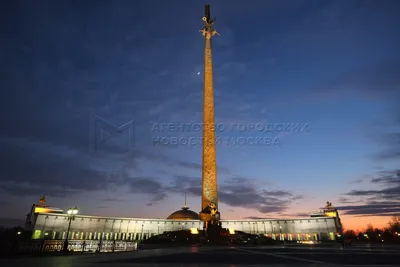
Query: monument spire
184 206
209 171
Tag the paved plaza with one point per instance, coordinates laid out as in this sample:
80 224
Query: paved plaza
282 255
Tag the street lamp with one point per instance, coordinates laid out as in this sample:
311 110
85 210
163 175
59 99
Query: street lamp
71 216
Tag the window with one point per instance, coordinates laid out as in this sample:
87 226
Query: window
36 234
332 236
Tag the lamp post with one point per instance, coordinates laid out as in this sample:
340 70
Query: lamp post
71 216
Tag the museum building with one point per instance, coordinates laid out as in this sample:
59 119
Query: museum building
44 222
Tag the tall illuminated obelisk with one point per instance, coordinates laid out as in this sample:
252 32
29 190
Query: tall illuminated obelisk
209 172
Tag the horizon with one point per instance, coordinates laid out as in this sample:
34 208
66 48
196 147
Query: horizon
102 108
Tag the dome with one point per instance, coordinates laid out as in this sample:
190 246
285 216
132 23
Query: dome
184 214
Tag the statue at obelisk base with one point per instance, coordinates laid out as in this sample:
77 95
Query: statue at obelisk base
210 216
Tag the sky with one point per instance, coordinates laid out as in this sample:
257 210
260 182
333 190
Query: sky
306 107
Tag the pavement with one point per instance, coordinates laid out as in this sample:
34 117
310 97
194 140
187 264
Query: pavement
229 256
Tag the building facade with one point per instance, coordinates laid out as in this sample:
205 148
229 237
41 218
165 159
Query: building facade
48 223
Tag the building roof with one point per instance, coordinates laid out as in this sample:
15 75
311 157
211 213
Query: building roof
184 214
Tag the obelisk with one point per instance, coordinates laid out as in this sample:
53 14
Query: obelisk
209 171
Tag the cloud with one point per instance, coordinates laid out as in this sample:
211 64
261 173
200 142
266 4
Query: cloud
302 214
239 192
384 197
388 136
348 201
378 209
256 218
361 179
113 200
357 181
149 186
388 178
299 214
379 82
382 201
31 168
37 168
379 168
391 192
297 197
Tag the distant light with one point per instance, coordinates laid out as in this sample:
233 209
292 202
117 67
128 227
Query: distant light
198 73
231 231
18 233
194 231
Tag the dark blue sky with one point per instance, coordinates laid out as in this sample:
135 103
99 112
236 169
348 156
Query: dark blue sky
331 65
